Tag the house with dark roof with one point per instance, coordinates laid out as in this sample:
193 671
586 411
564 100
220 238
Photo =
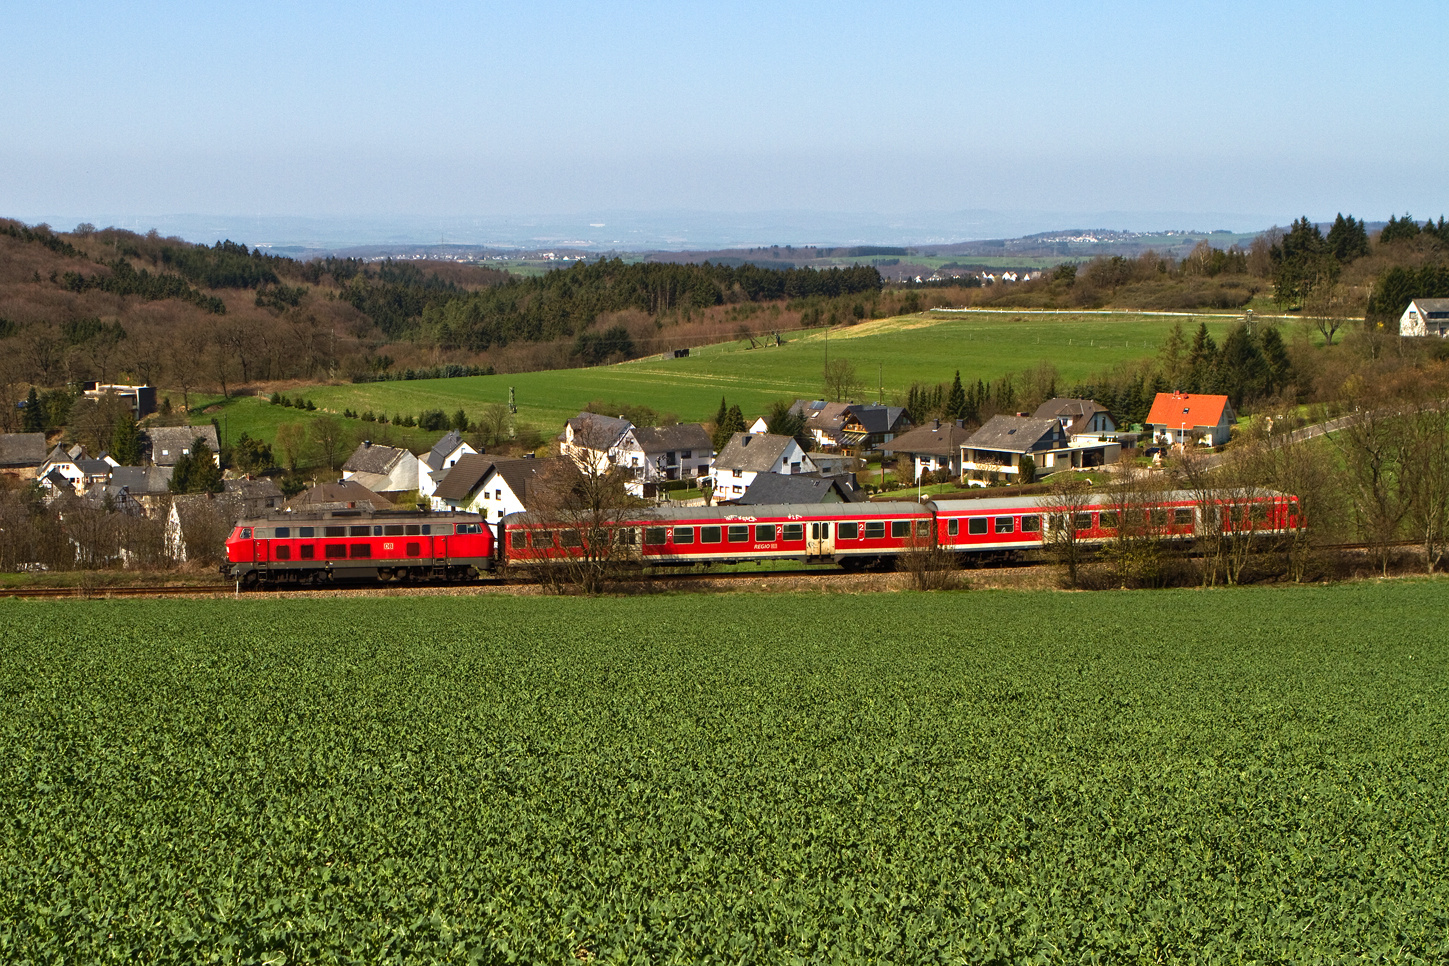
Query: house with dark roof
747 455
341 495
170 443
383 469
590 439
994 452
22 453
1179 418
1078 416
849 427
932 446
492 488
445 453
652 454
773 488
1425 317
254 497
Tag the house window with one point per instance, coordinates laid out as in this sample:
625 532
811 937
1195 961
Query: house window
848 531
953 528
793 531
655 536
284 553
765 533
684 534
874 529
1031 524
739 490
335 551
739 534
687 454
795 467
308 551
900 529
361 550
976 526
1004 525
498 494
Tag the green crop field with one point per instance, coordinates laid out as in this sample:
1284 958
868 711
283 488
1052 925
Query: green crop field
895 352
1194 777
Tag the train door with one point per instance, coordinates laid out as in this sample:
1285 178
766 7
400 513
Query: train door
260 551
820 542
440 551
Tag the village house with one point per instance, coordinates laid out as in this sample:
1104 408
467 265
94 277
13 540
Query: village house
1425 317
747 455
772 488
21 454
254 497
170 443
341 495
383 469
150 486
591 440
932 447
491 488
1091 430
854 428
655 454
441 458
1178 418
995 451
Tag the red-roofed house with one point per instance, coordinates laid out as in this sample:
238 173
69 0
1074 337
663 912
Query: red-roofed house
1177 417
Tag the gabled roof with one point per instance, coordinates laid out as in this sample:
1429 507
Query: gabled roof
877 418
168 442
826 417
520 474
1189 409
370 457
22 450
604 431
143 480
752 452
673 439
1014 434
772 488
464 477
252 489
1077 412
442 449
94 467
1432 305
343 493
936 438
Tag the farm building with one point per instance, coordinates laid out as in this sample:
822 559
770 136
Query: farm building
1426 317
441 458
22 453
341 495
593 440
1181 417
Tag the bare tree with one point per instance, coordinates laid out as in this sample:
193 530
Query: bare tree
493 424
1425 469
332 438
841 379
1140 549
1065 505
928 565
291 440
1301 471
1373 450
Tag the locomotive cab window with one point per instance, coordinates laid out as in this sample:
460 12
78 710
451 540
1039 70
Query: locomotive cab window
709 534
976 526
246 533
874 529
467 528
739 534
847 531
684 534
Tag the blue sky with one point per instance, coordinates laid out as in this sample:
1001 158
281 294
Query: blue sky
1250 112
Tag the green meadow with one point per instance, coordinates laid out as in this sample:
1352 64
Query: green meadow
889 354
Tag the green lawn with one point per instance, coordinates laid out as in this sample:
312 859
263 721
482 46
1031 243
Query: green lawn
1232 776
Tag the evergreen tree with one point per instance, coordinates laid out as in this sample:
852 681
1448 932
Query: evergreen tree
1348 239
782 421
1275 358
719 417
1399 229
1241 372
125 444
196 472
956 400
733 422
1302 262
34 421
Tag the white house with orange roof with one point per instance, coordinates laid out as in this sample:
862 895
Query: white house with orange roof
1190 417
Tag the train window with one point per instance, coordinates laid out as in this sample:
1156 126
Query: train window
923 528
1109 519
874 529
246 533
363 531
416 549
626 536
1182 516
976 526
412 530
283 552
684 534
427 529
900 528
765 533
1158 516
541 538
516 540
393 530
655 536
1084 521
1003 525
794 531
739 534
570 538
709 534
1031 524
360 550
284 533
466 528
308 551
306 531
334 551
334 531
1258 512
953 528
847 531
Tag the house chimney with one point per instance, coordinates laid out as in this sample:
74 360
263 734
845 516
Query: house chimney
745 440
938 425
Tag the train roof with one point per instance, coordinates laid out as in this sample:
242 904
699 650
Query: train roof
1041 500
727 514
305 516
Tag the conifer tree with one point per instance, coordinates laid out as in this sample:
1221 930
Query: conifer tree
34 421
956 400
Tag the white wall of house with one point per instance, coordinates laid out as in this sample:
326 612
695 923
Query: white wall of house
426 485
728 483
493 500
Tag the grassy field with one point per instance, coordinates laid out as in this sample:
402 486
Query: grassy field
1233 776
895 351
